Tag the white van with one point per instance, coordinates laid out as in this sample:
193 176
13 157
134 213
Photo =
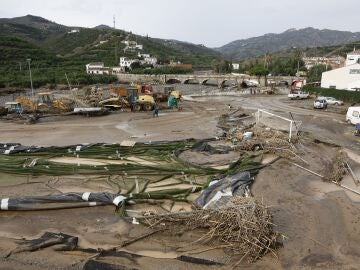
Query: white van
353 115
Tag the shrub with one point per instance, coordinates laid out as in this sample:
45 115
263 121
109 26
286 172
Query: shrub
348 96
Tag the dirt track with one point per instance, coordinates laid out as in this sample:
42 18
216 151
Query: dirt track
319 220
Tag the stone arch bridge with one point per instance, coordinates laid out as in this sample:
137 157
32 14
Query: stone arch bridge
218 79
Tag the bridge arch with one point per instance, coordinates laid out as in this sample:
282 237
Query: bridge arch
191 81
229 82
210 81
172 81
222 83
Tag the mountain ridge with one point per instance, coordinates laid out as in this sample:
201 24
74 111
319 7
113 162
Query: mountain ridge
300 38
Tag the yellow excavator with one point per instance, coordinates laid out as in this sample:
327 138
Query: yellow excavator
45 102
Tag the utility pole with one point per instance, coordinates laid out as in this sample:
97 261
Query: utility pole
265 60
116 43
32 89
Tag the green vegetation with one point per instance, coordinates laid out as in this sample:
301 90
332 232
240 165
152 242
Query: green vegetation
314 73
348 96
277 64
259 71
54 51
222 66
45 67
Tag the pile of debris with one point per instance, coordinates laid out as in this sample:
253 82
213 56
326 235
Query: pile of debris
243 226
266 139
336 169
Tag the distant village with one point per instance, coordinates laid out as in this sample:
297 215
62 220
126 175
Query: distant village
126 63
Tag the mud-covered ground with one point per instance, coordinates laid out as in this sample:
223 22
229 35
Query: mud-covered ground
319 221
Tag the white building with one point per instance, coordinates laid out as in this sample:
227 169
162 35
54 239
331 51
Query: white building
144 55
334 62
73 31
345 78
126 62
353 58
147 59
235 66
95 68
117 70
132 45
151 60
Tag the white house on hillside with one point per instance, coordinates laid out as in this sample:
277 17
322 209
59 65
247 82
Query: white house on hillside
345 78
132 45
147 59
235 66
126 62
95 68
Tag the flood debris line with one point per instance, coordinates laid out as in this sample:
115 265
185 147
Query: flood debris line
243 224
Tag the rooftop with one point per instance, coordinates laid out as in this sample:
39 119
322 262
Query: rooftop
355 52
96 64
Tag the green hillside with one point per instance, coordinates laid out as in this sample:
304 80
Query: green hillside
45 66
285 62
54 50
293 38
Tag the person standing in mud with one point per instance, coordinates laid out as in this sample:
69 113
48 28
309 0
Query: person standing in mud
156 111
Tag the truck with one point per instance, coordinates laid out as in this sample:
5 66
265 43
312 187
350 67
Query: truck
353 115
298 95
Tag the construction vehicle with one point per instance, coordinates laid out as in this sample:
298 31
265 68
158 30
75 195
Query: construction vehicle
173 97
170 91
129 97
145 89
44 102
297 85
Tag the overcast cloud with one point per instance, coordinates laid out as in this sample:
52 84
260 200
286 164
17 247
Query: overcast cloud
210 22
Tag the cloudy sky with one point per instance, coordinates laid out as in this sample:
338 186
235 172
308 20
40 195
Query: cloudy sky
210 22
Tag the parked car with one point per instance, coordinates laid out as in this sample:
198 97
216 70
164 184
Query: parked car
353 115
320 104
298 95
332 101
